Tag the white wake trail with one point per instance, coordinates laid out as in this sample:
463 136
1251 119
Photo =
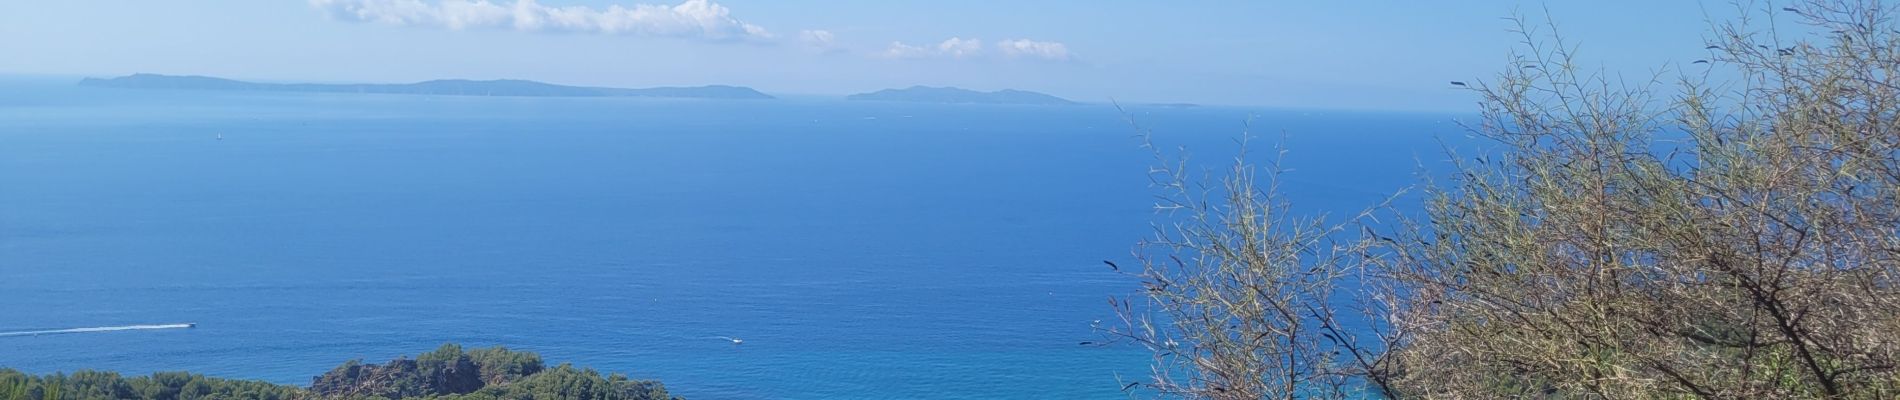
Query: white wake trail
98 329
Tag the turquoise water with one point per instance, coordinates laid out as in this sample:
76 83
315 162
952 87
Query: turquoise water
861 250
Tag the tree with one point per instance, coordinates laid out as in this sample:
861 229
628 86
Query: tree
1241 297
446 373
1752 258
1736 239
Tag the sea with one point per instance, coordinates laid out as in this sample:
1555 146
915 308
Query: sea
861 250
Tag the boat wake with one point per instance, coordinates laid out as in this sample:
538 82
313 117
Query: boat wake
98 329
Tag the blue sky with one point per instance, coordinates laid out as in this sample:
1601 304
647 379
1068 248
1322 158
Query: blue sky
1372 54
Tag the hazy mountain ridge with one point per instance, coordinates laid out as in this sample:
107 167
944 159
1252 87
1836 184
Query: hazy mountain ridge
448 87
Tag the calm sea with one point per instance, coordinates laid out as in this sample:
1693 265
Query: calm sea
861 250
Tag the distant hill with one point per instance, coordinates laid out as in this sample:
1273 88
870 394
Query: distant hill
449 87
925 94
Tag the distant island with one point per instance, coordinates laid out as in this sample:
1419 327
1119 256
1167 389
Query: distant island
926 94
446 87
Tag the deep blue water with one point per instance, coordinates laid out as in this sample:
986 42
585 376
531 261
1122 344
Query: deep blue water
862 250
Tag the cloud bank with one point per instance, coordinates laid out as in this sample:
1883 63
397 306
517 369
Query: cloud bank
690 19
819 39
953 47
1052 51
960 48
696 19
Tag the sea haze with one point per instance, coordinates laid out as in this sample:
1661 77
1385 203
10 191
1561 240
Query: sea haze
861 249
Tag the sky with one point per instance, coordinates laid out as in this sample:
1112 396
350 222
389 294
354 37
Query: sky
1367 54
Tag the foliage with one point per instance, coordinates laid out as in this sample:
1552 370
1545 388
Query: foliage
492 373
1730 241
567 382
87 385
1754 259
1240 294
499 366
446 373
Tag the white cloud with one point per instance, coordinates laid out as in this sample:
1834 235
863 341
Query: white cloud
960 48
701 19
901 50
953 47
1034 49
819 39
